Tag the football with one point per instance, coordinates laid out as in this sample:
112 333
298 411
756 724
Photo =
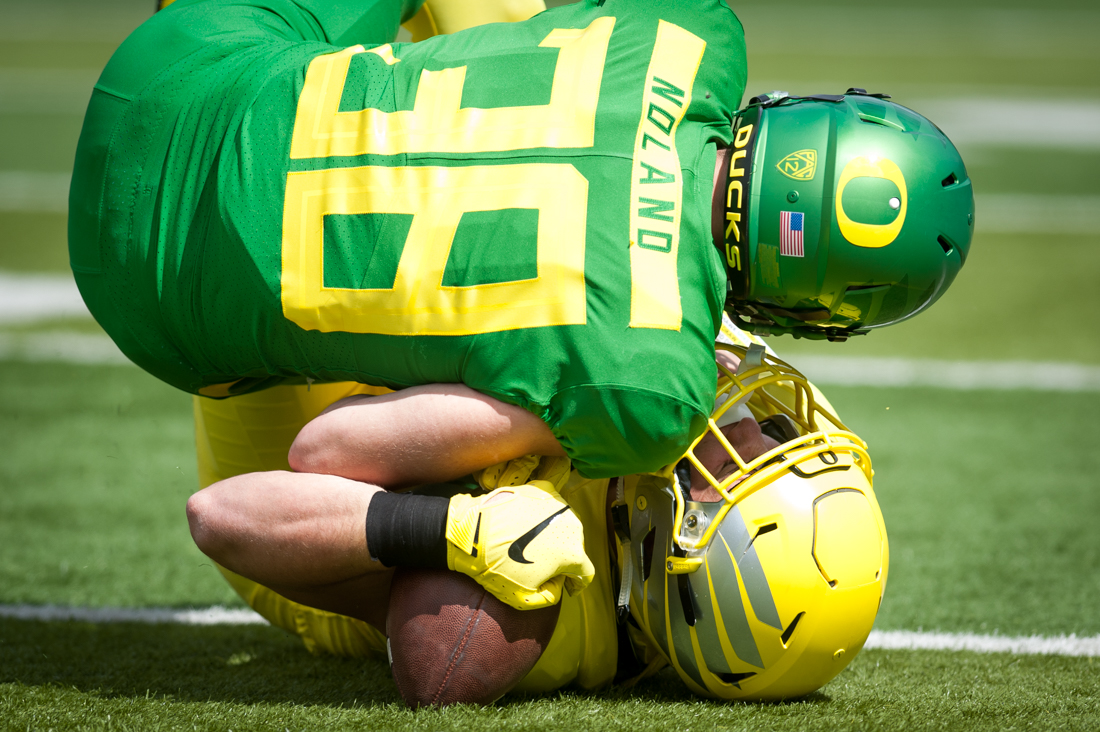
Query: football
452 642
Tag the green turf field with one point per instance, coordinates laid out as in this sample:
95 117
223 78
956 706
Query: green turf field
991 498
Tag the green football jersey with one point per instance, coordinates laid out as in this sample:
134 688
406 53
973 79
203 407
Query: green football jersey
523 208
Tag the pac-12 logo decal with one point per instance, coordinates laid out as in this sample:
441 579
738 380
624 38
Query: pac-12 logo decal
800 165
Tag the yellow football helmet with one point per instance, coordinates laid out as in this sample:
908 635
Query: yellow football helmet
771 591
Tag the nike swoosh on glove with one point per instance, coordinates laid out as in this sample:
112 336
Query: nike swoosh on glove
521 543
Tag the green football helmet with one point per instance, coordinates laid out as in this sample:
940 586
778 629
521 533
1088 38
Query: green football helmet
843 213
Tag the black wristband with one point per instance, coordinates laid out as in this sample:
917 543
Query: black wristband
406 530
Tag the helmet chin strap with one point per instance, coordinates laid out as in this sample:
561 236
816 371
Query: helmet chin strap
809 332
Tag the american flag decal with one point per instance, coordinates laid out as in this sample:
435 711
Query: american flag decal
790 234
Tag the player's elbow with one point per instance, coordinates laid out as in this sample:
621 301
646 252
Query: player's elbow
203 518
321 448
311 455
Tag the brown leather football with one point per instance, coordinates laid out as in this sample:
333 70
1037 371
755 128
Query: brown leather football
452 642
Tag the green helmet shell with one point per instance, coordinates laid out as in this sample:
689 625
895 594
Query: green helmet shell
844 213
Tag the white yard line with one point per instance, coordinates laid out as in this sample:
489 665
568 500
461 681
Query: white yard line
91 349
46 91
153 615
1049 215
910 640
1065 645
29 298
1065 123
83 349
916 33
58 22
979 116
998 213
954 375
28 191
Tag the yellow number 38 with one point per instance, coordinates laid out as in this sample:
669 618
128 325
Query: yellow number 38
437 196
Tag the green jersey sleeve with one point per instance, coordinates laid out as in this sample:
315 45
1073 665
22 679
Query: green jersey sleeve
609 431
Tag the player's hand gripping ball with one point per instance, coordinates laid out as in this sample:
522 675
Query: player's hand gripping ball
451 642
521 543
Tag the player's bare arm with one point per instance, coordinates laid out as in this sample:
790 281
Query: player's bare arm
424 434
273 527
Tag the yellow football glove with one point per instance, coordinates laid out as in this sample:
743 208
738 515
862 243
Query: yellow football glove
553 470
521 543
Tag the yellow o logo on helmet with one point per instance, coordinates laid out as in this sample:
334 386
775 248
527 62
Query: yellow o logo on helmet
871 236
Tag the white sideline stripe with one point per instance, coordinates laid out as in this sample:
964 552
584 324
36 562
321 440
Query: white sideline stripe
1065 123
955 375
91 349
984 116
83 349
196 616
59 22
29 191
26 298
1038 32
46 91
998 213
918 33
908 640
1017 213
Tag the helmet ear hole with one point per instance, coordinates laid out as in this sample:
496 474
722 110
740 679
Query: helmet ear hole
647 553
947 246
687 600
735 679
950 181
765 529
786 637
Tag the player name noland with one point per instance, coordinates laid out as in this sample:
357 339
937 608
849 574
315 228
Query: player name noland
907 640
